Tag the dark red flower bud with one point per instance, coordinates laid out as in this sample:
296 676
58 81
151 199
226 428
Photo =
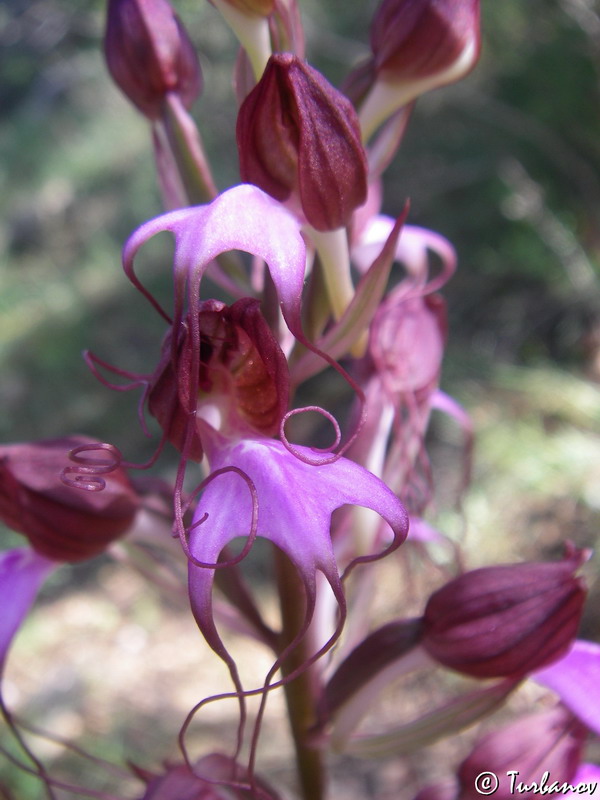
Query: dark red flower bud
508 620
62 522
149 54
416 39
523 752
299 137
180 783
242 376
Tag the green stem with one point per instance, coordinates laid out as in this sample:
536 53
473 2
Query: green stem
188 151
186 146
301 693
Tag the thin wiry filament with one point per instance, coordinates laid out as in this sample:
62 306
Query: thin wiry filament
296 641
128 261
137 380
53 783
369 558
319 461
263 691
328 416
120 772
38 769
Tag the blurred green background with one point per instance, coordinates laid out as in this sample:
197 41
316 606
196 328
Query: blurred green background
505 164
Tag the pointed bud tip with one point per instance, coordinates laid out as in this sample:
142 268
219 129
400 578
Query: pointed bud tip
299 138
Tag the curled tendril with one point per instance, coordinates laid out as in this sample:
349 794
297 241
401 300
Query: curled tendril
300 454
87 471
183 532
294 450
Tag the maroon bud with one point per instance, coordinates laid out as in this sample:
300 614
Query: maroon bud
523 752
416 39
299 137
506 621
242 374
62 522
180 783
149 54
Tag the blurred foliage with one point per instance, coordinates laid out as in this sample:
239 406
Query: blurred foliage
506 165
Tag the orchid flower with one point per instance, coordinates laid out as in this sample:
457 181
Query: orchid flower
404 357
289 502
245 218
293 502
221 390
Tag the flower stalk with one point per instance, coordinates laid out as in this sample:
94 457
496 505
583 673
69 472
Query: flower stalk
301 693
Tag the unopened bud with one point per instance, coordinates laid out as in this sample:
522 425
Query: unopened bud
299 138
508 620
549 744
150 55
62 522
179 782
418 45
416 39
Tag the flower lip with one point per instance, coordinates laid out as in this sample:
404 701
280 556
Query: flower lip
297 521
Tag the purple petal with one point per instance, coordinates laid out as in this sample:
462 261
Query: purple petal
588 774
295 504
413 249
22 572
242 218
576 679
421 531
